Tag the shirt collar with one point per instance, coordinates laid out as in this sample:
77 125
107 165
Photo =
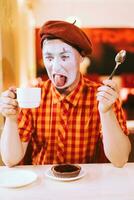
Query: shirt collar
72 97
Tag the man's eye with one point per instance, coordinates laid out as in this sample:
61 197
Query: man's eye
64 58
49 58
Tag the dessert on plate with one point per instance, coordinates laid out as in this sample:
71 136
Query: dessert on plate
66 170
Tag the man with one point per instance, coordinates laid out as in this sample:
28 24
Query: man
74 114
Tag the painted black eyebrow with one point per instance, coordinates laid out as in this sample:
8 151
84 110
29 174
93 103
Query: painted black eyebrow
64 52
47 53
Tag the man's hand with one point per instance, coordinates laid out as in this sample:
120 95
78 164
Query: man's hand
8 103
107 95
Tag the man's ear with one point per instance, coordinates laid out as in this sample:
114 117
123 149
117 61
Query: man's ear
84 64
81 59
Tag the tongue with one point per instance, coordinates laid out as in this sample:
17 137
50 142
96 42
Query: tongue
59 80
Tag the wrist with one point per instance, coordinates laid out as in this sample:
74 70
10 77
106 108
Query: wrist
104 108
107 114
13 118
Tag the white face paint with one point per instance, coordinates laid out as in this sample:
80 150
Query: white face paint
62 63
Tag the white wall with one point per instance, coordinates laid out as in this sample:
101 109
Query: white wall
93 13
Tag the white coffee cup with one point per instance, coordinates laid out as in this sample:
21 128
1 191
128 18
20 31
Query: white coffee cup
29 97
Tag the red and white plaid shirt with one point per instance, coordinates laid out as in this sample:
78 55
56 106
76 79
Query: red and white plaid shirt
64 129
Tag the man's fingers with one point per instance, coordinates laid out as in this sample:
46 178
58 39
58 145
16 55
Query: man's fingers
8 106
111 84
107 92
8 93
105 88
8 101
105 99
7 112
12 88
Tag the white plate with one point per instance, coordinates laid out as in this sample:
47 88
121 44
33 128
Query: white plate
13 178
50 174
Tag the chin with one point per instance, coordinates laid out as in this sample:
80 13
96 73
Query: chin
67 85
62 88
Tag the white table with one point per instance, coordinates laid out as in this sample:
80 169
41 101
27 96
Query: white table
101 182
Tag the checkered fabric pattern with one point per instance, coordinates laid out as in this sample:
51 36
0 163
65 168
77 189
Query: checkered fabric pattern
64 129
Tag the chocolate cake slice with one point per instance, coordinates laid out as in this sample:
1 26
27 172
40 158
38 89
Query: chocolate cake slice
66 170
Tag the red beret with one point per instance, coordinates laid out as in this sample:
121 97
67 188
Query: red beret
67 32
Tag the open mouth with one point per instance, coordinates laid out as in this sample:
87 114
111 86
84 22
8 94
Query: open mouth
60 80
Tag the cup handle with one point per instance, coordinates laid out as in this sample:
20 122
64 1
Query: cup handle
15 95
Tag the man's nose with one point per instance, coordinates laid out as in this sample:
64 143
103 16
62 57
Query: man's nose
56 63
